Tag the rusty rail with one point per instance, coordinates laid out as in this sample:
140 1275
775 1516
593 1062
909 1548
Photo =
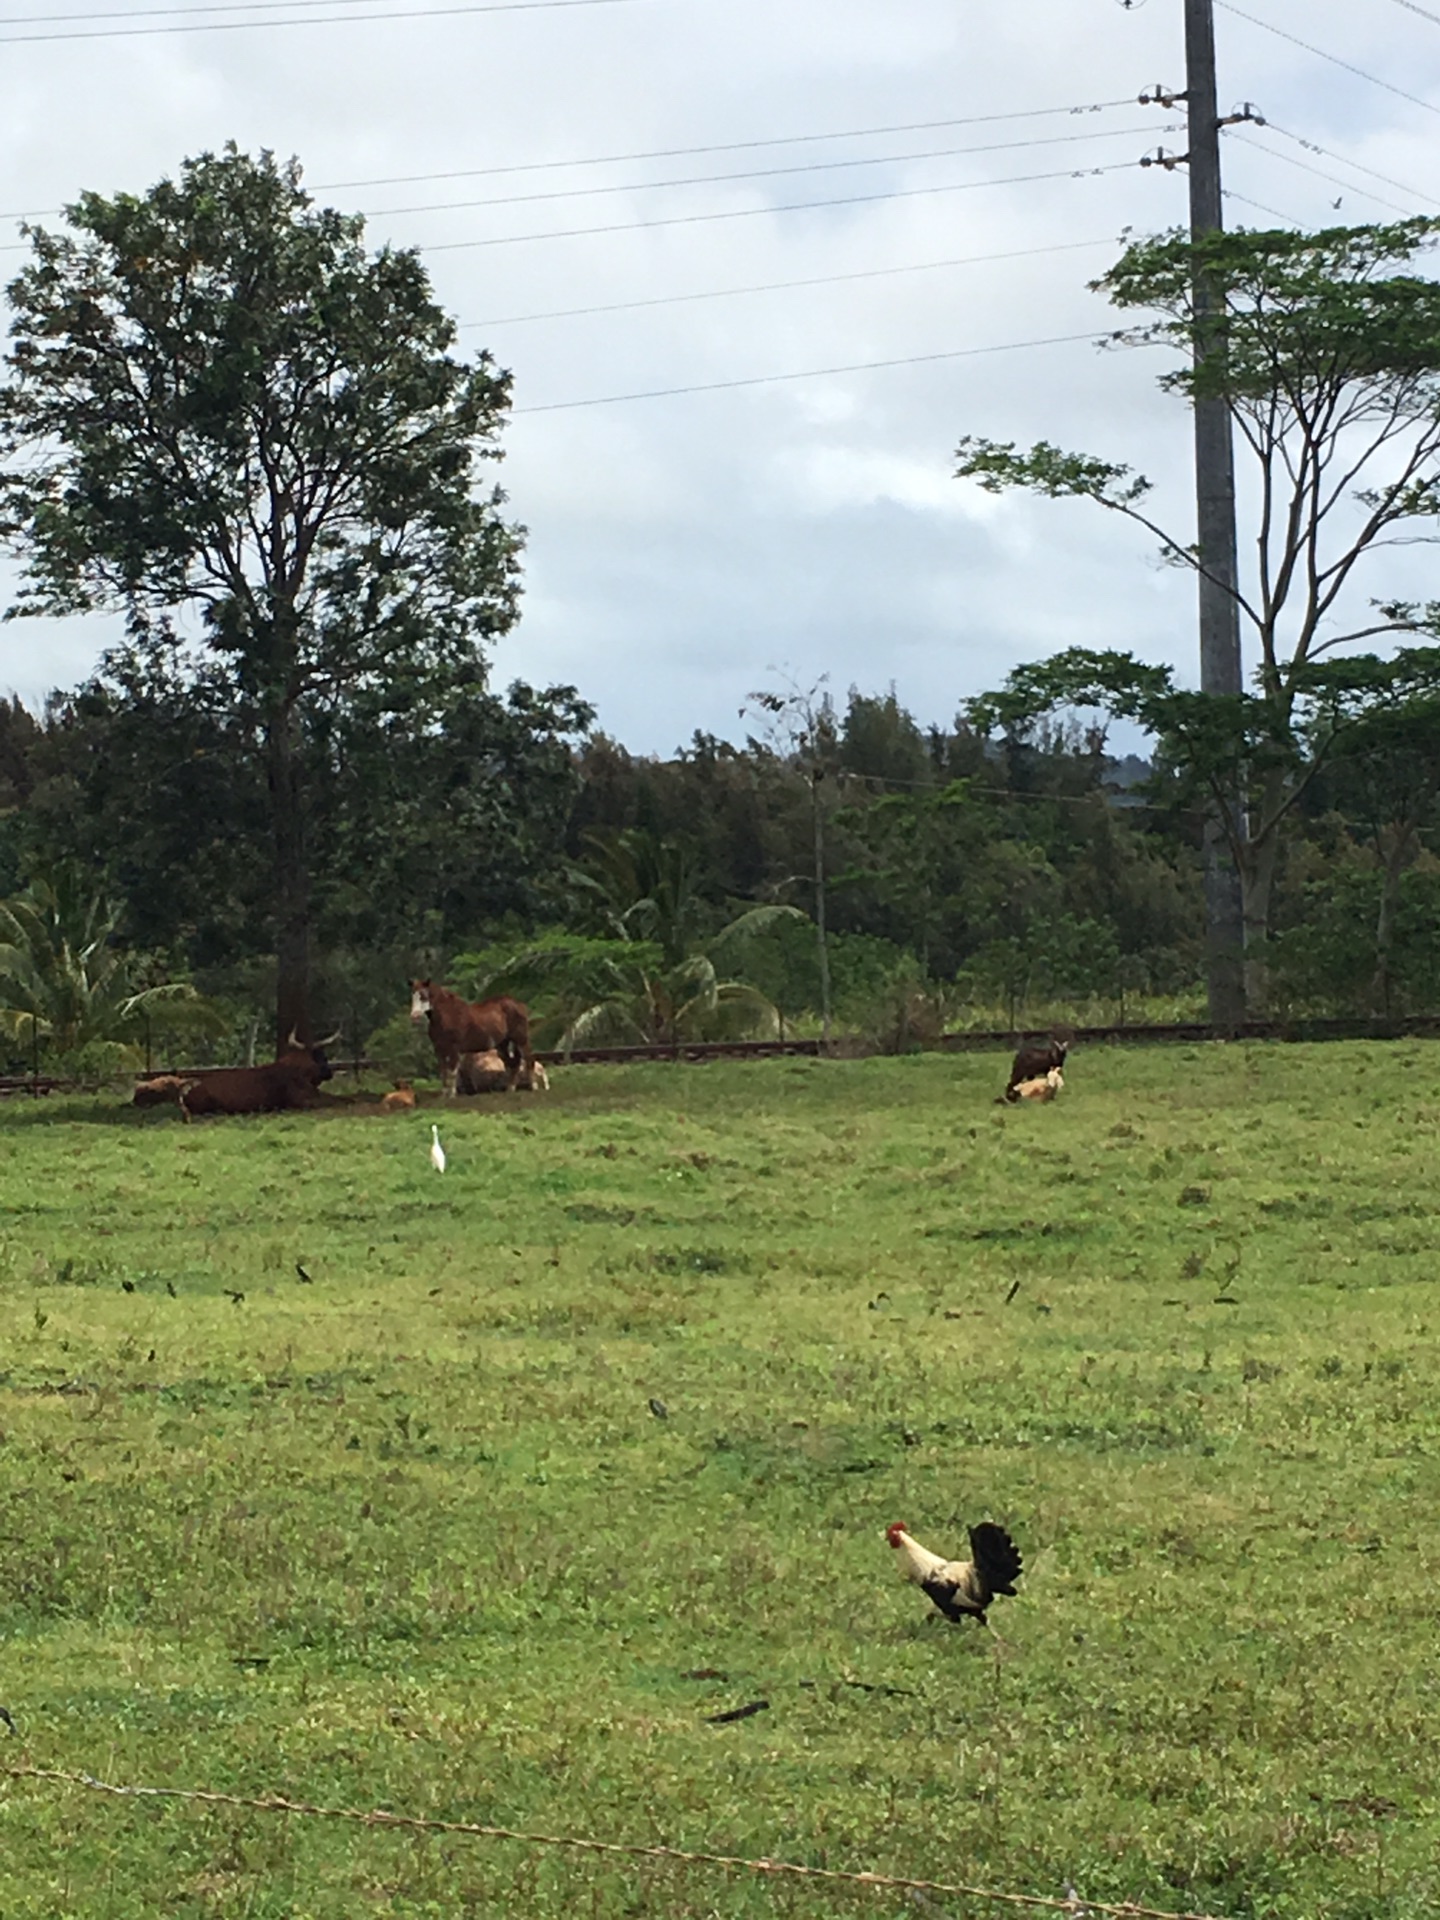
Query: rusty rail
996 1040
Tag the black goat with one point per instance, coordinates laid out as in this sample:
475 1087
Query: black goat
1033 1063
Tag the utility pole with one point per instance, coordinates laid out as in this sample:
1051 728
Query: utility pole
1218 576
1220 668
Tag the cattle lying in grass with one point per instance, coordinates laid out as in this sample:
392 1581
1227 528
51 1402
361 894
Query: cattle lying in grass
461 1026
487 1073
1033 1063
1044 1087
162 1090
280 1086
400 1098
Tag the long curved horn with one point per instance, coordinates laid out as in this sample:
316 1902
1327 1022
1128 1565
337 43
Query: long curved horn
330 1038
294 1043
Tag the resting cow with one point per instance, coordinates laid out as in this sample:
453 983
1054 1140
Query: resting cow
292 1081
487 1073
400 1098
1044 1087
459 1026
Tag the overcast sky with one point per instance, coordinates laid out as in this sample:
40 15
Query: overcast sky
664 159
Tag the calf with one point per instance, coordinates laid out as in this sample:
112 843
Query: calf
162 1090
1044 1087
400 1098
1033 1063
487 1073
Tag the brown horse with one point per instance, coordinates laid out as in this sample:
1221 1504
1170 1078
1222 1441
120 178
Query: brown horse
460 1026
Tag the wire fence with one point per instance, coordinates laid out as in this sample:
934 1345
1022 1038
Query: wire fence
382 1817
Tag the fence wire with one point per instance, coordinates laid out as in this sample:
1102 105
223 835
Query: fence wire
381 1818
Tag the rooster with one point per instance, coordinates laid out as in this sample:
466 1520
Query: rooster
961 1587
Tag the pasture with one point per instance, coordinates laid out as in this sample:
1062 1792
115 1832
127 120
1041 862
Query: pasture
412 1536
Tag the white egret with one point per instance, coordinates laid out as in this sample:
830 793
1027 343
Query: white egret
437 1152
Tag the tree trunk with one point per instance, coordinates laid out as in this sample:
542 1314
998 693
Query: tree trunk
1226 940
292 880
1257 888
1402 839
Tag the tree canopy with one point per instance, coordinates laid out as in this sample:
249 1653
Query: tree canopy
1329 362
229 420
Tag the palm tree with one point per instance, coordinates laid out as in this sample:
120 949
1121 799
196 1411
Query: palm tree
62 979
652 977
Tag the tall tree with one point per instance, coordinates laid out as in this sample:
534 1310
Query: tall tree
223 406
801 722
1384 716
1331 371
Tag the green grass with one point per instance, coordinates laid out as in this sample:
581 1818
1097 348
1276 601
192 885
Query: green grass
412 1537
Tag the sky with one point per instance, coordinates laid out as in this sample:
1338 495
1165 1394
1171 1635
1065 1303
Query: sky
756 269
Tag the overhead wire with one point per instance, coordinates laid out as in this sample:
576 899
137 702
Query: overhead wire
790 206
723 213
1228 6
1261 206
1290 160
151 13
760 173
726 146
1424 12
815 373
1313 146
675 153
697 179
781 286
307 20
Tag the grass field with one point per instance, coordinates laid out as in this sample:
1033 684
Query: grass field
411 1536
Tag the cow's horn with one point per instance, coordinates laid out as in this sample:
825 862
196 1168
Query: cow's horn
330 1038
294 1041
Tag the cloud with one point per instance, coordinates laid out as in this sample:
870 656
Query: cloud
679 546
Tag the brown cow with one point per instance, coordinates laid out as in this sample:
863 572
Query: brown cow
400 1099
282 1085
486 1073
459 1026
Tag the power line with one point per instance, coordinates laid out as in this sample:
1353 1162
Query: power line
1314 146
780 286
814 373
1424 12
1321 54
1245 201
327 20
1335 180
792 206
731 213
724 146
759 173
675 153
146 13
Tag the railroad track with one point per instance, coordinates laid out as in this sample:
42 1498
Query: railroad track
1175 1033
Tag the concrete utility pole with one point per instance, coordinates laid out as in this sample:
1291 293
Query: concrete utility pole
1220 668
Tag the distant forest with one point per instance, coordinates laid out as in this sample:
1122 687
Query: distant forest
966 881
